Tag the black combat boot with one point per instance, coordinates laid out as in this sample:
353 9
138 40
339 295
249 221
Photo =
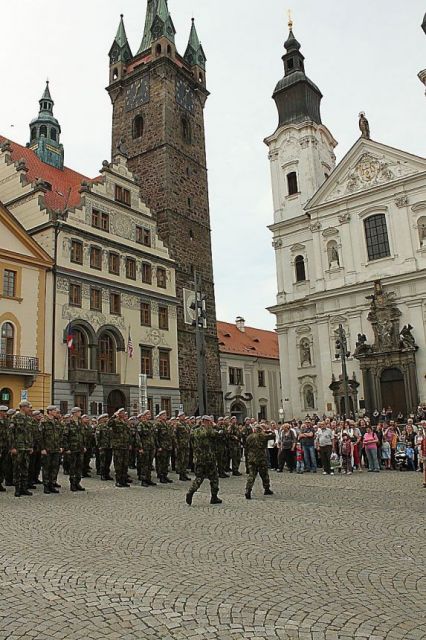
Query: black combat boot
25 492
144 483
73 486
79 487
268 492
168 480
189 497
46 489
56 485
2 489
248 495
236 473
17 492
151 483
215 500
163 480
53 489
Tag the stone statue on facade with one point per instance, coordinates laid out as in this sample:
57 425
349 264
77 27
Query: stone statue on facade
121 148
305 353
364 126
361 346
407 340
384 316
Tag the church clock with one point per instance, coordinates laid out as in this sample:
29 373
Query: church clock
185 96
137 94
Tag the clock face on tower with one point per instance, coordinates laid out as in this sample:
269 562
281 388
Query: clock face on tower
137 93
185 96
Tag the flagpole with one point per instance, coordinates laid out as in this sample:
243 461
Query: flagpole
127 358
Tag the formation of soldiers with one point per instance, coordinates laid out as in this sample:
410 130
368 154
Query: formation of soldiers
34 442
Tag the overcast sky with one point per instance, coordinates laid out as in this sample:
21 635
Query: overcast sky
363 56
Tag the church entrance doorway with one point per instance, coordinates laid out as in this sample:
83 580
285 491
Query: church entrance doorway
116 400
392 386
239 411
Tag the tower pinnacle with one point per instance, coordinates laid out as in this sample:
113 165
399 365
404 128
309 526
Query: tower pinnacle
45 132
194 53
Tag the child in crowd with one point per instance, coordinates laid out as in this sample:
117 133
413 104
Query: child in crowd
386 454
409 452
300 463
346 450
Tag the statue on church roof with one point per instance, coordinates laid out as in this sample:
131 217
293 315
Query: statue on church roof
364 126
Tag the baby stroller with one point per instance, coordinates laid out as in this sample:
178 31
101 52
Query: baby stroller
401 457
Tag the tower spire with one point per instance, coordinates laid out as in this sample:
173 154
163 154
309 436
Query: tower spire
120 50
194 53
158 24
45 132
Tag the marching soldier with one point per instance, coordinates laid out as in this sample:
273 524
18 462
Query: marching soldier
74 446
88 446
246 430
21 443
121 445
51 439
235 446
35 457
4 445
256 445
221 448
183 436
204 437
165 440
8 465
103 442
146 454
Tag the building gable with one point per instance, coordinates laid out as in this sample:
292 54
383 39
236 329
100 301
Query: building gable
16 241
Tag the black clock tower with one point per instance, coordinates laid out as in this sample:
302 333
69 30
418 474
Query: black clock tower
158 99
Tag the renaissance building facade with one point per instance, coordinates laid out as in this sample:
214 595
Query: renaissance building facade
350 247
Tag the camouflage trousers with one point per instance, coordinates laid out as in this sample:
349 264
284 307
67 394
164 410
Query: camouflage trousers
163 458
21 463
205 470
50 468
75 461
105 459
222 457
260 468
182 459
87 457
121 465
34 466
3 464
145 460
235 453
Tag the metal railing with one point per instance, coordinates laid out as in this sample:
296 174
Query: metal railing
18 363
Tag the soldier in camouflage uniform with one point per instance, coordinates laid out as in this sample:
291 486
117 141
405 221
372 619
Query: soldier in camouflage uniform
35 458
234 435
147 445
4 444
51 440
88 445
165 440
221 448
74 439
8 464
20 443
103 442
204 443
65 455
121 445
183 436
256 452
246 431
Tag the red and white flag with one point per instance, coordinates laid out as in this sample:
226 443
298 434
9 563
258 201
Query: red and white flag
70 338
130 346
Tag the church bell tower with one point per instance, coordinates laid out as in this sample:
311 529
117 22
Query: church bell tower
158 99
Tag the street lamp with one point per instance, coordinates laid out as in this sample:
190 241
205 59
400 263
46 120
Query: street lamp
199 322
342 353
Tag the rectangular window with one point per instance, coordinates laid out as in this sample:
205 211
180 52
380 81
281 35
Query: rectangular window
151 405
161 278
63 407
292 183
115 304
164 364
145 314
76 252
9 283
131 268
163 318
261 379
96 258
166 405
96 299
100 220
376 235
143 236
114 263
122 195
146 273
75 295
146 361
263 412
236 376
80 400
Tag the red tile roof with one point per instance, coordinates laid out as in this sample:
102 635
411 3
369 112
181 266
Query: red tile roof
252 342
61 179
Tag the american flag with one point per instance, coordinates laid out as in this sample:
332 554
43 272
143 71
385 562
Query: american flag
130 346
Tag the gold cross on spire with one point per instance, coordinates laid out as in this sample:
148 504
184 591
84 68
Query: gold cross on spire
290 20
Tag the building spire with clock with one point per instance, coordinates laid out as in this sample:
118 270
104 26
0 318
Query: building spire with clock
158 112
120 53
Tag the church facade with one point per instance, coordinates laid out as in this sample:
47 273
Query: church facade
350 248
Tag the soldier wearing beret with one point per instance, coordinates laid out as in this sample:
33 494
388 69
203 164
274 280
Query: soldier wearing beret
51 438
103 442
21 447
165 440
4 444
204 437
147 445
74 446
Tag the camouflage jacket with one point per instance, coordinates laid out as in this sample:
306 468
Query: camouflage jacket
21 432
146 433
204 445
4 434
36 431
120 433
256 446
182 434
234 435
103 436
73 436
51 435
164 436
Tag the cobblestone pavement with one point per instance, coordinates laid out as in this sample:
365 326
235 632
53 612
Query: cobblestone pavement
324 558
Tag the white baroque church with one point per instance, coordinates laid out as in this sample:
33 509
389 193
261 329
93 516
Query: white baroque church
350 246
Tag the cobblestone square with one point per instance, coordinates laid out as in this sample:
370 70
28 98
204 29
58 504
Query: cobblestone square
324 558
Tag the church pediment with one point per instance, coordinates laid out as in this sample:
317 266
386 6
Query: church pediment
367 165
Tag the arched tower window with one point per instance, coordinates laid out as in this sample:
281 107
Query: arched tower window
43 130
115 74
158 49
33 133
137 127
376 236
186 130
78 358
7 339
292 186
106 354
53 135
299 264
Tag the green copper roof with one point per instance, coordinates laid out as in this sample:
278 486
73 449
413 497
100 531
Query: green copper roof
120 50
46 95
158 24
194 53
121 37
